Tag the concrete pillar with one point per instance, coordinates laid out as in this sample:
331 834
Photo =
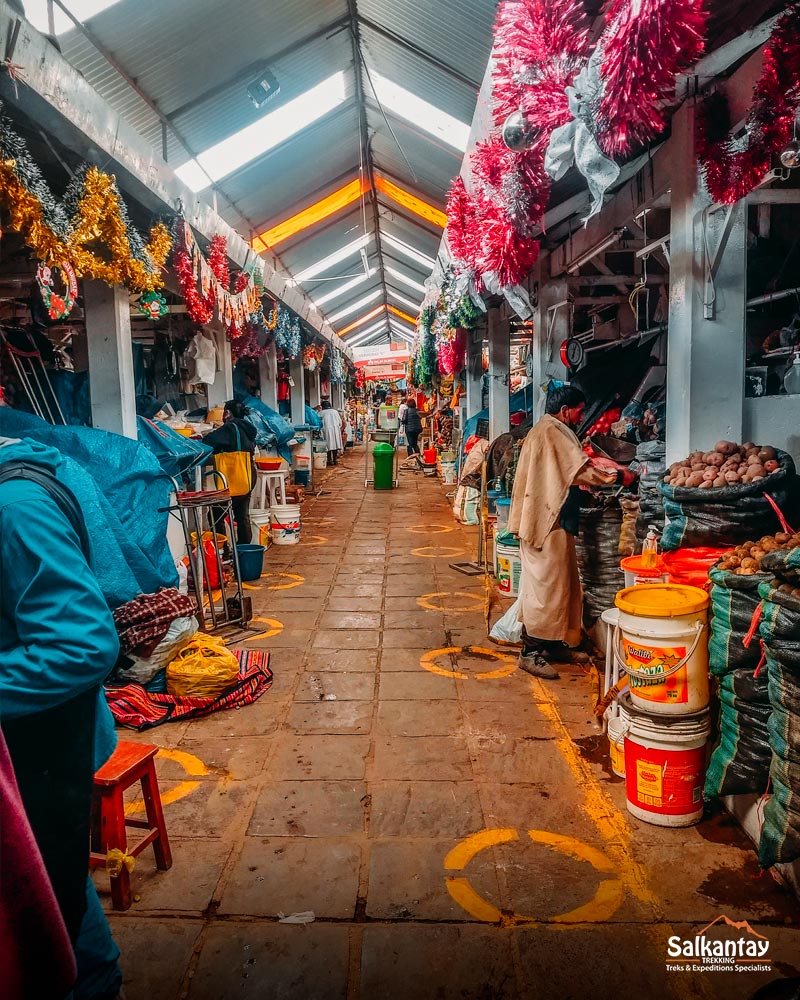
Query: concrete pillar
705 371
221 389
314 391
499 365
108 336
474 373
298 398
551 323
268 372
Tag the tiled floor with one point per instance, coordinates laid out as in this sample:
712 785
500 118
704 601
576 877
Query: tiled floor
395 803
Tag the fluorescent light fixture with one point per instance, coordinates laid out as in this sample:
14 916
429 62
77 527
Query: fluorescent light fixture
36 13
269 131
405 280
346 287
589 255
333 259
403 300
420 113
408 251
355 306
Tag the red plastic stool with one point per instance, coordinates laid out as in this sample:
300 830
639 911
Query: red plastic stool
130 762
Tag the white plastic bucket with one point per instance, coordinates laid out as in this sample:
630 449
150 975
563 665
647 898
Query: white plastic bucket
636 574
665 763
507 568
260 526
449 477
285 523
661 643
320 460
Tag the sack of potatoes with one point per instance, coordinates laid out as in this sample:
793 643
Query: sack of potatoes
727 465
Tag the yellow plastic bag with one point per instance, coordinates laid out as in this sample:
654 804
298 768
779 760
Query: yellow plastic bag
205 668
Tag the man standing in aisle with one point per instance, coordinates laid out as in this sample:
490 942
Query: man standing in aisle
545 507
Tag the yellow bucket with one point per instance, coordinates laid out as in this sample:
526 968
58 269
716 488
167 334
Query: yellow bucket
661 643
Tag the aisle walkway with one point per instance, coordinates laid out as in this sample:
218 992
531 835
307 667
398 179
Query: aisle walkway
451 823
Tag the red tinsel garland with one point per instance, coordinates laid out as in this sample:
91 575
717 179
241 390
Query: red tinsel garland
200 308
462 232
645 44
732 173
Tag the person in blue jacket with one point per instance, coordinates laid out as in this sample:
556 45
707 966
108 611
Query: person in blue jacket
58 644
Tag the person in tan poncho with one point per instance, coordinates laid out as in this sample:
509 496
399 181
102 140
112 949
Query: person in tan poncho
545 506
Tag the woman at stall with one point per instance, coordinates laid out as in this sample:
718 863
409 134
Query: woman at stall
332 431
235 436
412 425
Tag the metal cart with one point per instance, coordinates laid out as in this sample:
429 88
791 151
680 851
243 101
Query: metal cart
387 437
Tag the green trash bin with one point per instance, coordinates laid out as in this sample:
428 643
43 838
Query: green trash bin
383 466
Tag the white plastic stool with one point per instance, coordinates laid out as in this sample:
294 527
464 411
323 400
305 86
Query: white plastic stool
271 489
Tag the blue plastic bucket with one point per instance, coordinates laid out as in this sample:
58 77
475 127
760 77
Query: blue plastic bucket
251 561
301 477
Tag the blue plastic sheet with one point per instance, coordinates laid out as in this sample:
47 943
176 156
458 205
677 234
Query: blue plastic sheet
123 494
174 452
520 401
272 430
313 419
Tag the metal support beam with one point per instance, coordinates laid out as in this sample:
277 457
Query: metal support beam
54 95
499 367
268 373
108 337
705 375
298 395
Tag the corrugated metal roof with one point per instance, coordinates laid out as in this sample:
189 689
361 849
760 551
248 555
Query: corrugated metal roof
194 58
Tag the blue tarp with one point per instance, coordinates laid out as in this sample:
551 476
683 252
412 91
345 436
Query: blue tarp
521 401
174 452
123 494
272 430
313 419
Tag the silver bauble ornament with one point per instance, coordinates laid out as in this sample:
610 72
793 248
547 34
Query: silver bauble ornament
517 132
790 154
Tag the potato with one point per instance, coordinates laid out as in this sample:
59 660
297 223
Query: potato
715 459
782 538
710 473
767 454
705 485
731 477
753 459
757 552
694 480
748 445
719 481
724 447
771 465
698 466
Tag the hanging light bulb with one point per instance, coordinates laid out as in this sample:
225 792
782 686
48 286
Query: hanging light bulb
517 132
790 154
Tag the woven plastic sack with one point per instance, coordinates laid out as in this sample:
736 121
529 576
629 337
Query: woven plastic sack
729 515
204 668
650 464
627 534
597 549
783 564
740 761
734 600
780 630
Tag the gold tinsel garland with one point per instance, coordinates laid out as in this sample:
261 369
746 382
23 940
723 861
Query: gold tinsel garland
98 217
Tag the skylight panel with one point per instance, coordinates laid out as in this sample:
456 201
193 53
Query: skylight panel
332 259
36 13
410 282
408 251
403 300
362 335
420 112
346 287
264 134
355 306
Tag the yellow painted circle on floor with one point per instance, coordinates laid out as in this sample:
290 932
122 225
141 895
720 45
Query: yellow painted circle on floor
274 627
604 904
430 529
192 765
429 601
313 540
428 662
290 580
437 552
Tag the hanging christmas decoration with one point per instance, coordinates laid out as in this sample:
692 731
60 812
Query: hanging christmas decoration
338 372
57 306
453 352
153 305
206 284
271 321
309 358
248 344
92 211
732 167
288 336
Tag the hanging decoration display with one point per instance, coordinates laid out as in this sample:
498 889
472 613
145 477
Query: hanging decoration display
732 167
288 337
57 306
206 284
309 358
338 371
92 211
249 344
453 352
153 305
557 102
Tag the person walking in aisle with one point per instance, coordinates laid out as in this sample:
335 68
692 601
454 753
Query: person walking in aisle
412 425
236 435
332 431
545 507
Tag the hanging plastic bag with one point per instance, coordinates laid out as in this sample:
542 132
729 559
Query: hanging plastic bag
507 631
143 669
204 668
237 468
